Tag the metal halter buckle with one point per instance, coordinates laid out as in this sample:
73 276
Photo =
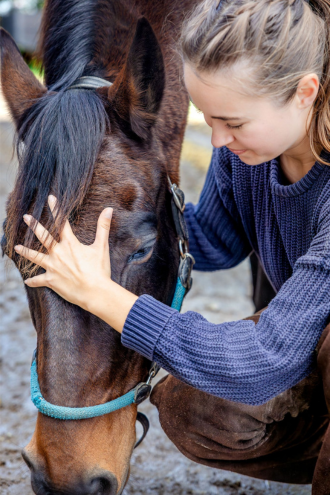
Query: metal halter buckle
173 189
183 248
142 392
152 372
176 198
187 260
143 389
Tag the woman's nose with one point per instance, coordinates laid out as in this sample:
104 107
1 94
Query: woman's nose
220 139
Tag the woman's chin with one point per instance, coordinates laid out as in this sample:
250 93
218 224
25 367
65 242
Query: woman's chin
250 158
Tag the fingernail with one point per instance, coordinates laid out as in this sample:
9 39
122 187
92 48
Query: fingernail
52 198
27 218
18 247
108 212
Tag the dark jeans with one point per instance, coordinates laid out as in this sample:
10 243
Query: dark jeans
280 440
263 291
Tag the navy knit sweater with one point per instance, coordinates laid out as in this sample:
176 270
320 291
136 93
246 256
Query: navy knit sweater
244 208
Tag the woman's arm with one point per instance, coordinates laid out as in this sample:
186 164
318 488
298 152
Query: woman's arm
240 361
243 361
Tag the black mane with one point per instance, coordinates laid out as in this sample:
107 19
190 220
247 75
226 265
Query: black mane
58 143
60 136
68 42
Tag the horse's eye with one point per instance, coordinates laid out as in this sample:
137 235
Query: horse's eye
141 255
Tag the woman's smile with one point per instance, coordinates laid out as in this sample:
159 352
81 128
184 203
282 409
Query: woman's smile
237 152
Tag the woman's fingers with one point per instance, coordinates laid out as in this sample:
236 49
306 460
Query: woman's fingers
67 231
41 233
37 281
52 201
103 228
39 259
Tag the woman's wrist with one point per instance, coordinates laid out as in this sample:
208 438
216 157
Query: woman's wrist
111 303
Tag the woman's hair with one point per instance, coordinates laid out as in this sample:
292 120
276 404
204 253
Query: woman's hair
281 41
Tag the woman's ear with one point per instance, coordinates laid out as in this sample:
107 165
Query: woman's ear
19 86
307 90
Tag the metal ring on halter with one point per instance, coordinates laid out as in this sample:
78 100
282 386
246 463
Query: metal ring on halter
188 255
169 182
152 372
176 198
183 248
173 188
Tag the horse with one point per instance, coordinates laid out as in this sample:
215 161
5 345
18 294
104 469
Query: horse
112 146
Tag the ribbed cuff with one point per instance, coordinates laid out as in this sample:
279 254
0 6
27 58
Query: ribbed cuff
144 324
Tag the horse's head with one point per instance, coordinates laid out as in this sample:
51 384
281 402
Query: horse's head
91 149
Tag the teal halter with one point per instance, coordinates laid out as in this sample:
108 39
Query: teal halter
135 396
142 391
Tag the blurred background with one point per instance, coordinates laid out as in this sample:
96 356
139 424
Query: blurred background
21 18
157 467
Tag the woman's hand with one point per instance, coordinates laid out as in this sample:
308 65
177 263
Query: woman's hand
78 273
72 269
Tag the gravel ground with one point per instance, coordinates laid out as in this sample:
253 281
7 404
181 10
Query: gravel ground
157 466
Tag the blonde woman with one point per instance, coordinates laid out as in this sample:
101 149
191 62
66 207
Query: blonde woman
243 395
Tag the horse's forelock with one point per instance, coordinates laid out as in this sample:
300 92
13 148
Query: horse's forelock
58 143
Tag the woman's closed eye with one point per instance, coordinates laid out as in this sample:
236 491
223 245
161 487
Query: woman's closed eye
234 126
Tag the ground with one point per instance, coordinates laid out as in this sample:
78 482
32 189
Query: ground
157 466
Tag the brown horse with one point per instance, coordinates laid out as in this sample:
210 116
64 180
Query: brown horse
92 149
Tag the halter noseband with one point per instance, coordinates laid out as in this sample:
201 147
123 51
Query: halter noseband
184 281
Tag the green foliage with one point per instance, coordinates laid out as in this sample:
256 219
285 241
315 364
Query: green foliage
36 68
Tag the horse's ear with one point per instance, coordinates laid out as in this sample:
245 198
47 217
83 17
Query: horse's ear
19 86
140 86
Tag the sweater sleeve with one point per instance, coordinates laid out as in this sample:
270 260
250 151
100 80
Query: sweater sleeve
242 361
216 235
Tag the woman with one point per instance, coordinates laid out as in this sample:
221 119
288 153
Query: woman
259 70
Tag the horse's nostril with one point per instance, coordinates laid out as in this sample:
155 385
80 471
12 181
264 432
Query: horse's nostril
27 459
103 485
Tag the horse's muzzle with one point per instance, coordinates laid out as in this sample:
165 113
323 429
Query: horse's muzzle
101 484
98 483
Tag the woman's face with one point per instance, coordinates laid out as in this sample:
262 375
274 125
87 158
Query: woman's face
254 128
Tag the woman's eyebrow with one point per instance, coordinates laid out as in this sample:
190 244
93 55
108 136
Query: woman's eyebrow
214 117
227 118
